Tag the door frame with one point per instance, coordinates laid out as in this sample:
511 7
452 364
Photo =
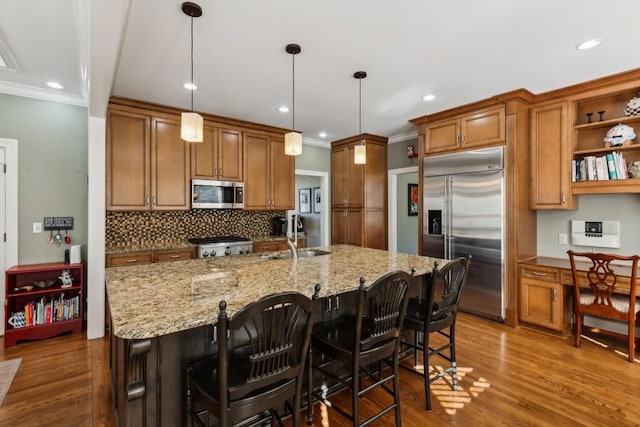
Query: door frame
392 232
11 214
325 226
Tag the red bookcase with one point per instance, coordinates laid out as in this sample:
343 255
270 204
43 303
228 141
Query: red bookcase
49 308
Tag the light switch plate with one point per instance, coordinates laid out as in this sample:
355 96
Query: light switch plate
37 227
562 239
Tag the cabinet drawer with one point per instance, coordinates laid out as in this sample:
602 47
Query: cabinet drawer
540 273
624 283
174 255
118 260
266 246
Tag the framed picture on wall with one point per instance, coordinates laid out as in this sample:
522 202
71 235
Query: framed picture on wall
413 199
305 200
317 206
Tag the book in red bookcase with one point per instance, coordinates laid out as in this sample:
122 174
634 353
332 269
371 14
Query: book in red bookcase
42 301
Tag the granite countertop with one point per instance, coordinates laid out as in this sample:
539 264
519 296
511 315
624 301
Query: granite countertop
150 300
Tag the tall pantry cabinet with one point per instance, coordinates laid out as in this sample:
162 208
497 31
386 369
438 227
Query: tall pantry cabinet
359 193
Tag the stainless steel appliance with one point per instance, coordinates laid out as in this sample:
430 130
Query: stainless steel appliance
463 202
213 247
209 194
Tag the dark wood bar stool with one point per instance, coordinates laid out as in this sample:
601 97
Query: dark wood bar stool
437 314
369 339
259 366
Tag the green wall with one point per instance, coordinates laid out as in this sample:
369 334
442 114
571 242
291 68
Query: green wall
52 171
314 158
397 157
407 230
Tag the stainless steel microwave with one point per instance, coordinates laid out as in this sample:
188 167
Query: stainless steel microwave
209 194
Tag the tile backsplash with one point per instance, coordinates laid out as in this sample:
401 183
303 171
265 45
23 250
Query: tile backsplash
153 228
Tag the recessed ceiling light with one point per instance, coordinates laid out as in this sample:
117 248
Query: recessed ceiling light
55 85
190 86
322 134
588 44
283 109
429 97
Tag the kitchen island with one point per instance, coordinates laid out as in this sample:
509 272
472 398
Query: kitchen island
161 314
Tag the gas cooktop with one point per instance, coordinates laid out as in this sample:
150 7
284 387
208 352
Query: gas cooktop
217 239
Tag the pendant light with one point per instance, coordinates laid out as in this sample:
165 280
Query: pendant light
293 139
192 122
360 151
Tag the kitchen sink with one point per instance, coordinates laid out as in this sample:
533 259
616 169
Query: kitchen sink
301 254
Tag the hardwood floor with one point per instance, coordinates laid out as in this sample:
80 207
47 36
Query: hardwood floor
507 377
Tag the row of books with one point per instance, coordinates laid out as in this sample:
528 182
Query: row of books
49 310
599 168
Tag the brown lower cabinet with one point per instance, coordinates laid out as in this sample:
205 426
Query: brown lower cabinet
274 245
146 257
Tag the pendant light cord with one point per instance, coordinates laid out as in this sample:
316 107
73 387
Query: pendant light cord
293 94
360 109
192 84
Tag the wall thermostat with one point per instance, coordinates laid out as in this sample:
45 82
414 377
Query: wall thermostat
603 234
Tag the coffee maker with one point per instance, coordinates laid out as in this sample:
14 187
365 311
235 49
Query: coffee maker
280 226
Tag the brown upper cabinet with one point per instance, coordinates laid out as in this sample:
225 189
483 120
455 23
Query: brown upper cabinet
219 156
550 157
568 127
269 173
481 128
147 163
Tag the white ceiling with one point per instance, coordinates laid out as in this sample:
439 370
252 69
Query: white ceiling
462 51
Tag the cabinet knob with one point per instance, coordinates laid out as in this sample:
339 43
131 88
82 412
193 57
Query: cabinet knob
175 256
132 260
146 200
154 200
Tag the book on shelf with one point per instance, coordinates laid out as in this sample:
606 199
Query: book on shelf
611 166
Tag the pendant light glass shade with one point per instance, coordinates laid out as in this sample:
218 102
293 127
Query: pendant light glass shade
191 127
360 154
191 123
293 144
293 139
360 151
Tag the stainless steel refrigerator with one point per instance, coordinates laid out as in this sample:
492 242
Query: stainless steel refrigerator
464 214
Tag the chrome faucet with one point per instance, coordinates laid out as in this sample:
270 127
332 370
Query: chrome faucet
292 231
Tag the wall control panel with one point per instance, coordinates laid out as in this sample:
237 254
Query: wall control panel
602 234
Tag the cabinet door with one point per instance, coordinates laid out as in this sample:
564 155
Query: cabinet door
174 255
259 247
550 162
170 169
229 155
128 161
355 227
483 128
256 178
339 157
355 179
541 303
442 136
204 155
282 176
338 227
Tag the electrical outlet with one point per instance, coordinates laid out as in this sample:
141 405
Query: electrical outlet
562 239
37 227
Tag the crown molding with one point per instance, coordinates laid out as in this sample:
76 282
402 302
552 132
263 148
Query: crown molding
42 94
403 137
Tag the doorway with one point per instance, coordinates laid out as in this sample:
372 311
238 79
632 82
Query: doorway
403 228
8 213
316 214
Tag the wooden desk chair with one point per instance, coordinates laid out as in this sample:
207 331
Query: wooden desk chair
259 366
597 293
362 341
437 313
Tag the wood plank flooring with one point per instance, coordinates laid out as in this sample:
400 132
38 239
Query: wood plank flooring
516 377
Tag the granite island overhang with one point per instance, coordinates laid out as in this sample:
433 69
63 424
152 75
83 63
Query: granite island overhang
161 314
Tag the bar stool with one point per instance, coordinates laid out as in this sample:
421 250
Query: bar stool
371 337
260 362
